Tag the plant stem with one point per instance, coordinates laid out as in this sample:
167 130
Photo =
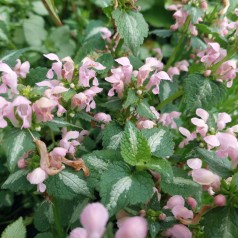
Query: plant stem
179 45
170 99
57 220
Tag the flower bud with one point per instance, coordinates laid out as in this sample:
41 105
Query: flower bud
22 163
162 217
220 200
207 73
191 202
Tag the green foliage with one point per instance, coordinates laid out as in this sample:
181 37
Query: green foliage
131 99
120 187
131 27
200 92
183 187
36 75
143 110
222 221
220 166
67 185
16 143
134 147
15 230
160 141
17 182
112 136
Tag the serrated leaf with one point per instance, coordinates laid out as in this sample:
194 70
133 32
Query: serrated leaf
160 141
84 116
61 123
15 230
98 162
67 185
17 142
36 75
112 136
143 110
132 28
154 228
161 166
134 147
120 187
222 221
220 166
34 30
200 92
183 187
17 182
131 99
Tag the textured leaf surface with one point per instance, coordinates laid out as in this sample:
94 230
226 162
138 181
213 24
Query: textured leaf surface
131 99
221 222
120 187
131 27
17 182
200 92
16 143
15 230
36 75
134 147
220 166
143 110
160 141
112 136
183 187
67 185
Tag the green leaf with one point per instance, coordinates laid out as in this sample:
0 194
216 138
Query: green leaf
145 4
220 166
197 43
143 110
61 123
107 61
222 221
112 136
200 92
15 230
162 33
67 185
36 75
160 141
49 4
6 198
120 187
34 30
11 57
97 163
134 147
183 187
161 166
102 3
43 216
17 182
131 99
44 235
194 12
131 27
154 228
16 143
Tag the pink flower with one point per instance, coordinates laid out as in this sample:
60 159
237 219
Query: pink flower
167 119
194 163
69 141
68 68
191 202
202 127
3 113
38 176
145 124
174 201
178 231
106 33
94 218
56 67
102 117
86 73
227 72
23 110
43 108
78 233
156 79
173 71
133 227
204 176
55 157
9 79
182 212
189 136
180 16
22 69
222 120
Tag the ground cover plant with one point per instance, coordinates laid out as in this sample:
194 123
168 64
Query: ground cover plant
119 118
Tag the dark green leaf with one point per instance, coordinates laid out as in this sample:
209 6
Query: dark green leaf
36 75
162 33
131 99
143 110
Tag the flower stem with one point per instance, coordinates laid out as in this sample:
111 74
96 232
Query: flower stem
170 99
57 220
